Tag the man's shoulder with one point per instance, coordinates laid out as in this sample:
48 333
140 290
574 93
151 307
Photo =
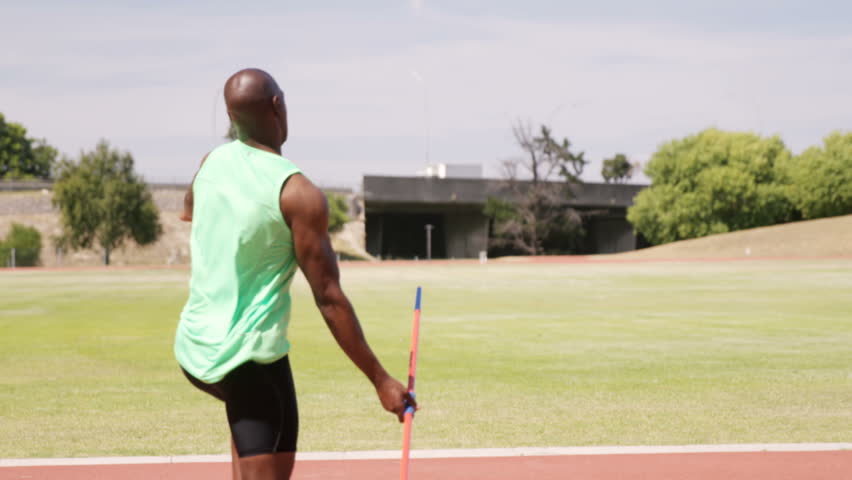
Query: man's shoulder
300 197
300 189
225 148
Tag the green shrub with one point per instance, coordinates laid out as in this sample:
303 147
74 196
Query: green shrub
820 179
712 182
337 212
27 244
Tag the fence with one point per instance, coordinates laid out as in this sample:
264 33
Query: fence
12 257
23 185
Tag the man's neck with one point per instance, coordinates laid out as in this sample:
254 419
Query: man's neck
262 146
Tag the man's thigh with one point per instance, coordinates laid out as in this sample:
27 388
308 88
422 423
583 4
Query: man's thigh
260 401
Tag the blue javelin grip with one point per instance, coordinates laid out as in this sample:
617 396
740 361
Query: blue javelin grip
408 407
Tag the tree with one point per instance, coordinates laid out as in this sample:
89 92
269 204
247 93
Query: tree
22 157
44 158
617 169
819 181
712 182
27 244
102 200
337 212
533 217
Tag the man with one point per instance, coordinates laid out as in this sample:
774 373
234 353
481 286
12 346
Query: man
255 219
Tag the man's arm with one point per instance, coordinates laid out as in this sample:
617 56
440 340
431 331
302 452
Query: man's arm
186 216
305 210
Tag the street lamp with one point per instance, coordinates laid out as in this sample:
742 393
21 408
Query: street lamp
429 228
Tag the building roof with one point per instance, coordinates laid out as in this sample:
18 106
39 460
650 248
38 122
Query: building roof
387 191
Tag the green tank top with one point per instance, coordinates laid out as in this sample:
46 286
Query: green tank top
243 263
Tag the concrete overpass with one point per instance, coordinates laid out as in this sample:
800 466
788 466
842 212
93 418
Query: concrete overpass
398 209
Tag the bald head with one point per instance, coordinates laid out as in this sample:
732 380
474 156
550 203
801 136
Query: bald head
256 107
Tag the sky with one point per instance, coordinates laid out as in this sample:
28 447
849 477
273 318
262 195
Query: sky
386 87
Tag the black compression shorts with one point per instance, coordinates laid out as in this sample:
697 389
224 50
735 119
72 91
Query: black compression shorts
260 401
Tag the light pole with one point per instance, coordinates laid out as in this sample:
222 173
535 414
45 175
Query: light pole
429 228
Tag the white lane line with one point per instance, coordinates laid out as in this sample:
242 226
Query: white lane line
448 453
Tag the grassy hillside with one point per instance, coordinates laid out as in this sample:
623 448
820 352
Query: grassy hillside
826 237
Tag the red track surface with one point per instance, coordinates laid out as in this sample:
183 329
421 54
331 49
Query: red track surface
833 465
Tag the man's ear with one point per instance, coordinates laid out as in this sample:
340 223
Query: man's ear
279 110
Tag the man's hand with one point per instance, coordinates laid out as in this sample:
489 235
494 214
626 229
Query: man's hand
394 396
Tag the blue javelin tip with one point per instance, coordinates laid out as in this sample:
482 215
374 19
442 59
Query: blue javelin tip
417 302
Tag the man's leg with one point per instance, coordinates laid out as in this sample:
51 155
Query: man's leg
215 390
235 463
263 416
261 404
271 466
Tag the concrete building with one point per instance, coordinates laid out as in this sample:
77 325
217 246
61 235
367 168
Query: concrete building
398 209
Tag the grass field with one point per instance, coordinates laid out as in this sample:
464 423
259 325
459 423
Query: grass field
511 355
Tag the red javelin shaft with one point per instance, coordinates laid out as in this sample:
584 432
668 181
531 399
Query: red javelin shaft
412 369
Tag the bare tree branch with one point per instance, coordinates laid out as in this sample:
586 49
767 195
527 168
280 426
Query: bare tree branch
539 204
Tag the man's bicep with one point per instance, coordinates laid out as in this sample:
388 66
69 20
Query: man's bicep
309 226
310 246
319 265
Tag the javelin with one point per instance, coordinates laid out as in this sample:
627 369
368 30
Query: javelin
409 410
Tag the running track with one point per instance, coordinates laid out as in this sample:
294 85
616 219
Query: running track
739 462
